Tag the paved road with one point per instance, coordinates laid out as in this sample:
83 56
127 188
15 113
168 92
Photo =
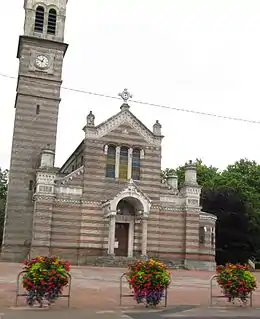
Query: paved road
189 312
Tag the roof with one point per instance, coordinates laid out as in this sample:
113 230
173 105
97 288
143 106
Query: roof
124 116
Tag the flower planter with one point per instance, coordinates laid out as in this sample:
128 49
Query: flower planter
149 280
236 282
44 279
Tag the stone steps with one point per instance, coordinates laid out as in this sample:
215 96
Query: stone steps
123 262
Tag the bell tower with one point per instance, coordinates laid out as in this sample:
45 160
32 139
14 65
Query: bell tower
41 51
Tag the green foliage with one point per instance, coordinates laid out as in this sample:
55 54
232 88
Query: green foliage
236 281
206 174
3 194
244 177
165 173
3 184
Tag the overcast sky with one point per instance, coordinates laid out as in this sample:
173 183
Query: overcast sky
191 54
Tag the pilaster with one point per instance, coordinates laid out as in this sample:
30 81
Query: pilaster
111 234
130 159
144 234
118 148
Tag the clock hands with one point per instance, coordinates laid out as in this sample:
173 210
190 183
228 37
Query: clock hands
42 61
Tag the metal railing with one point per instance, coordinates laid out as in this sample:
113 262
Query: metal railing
23 294
211 296
251 263
122 295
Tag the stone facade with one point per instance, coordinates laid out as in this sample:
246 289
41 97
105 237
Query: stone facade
107 200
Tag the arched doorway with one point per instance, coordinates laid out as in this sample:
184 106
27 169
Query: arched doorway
126 213
123 211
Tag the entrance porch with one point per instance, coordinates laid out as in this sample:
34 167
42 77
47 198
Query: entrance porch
128 209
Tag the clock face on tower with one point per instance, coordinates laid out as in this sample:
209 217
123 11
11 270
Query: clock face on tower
42 62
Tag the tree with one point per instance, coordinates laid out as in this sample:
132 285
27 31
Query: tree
165 173
233 236
206 174
3 194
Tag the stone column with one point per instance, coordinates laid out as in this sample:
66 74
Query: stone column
111 235
117 161
130 159
144 235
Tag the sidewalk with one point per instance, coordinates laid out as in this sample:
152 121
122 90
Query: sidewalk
97 289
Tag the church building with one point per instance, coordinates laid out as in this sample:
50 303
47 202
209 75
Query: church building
106 204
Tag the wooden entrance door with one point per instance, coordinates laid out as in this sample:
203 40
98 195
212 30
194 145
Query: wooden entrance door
121 239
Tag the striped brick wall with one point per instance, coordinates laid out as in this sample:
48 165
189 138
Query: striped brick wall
42 226
95 182
94 229
32 131
191 234
77 230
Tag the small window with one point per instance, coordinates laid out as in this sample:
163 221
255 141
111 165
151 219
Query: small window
123 168
111 162
39 19
52 21
212 237
73 168
202 235
136 164
38 109
31 185
82 160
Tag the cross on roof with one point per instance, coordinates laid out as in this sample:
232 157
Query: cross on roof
125 95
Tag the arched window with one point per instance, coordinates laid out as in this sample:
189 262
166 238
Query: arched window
136 164
111 162
123 166
202 233
39 19
52 21
212 237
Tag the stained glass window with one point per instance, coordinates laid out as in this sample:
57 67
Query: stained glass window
111 162
136 165
123 165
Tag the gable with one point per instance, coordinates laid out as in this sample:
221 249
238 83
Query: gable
125 117
125 134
